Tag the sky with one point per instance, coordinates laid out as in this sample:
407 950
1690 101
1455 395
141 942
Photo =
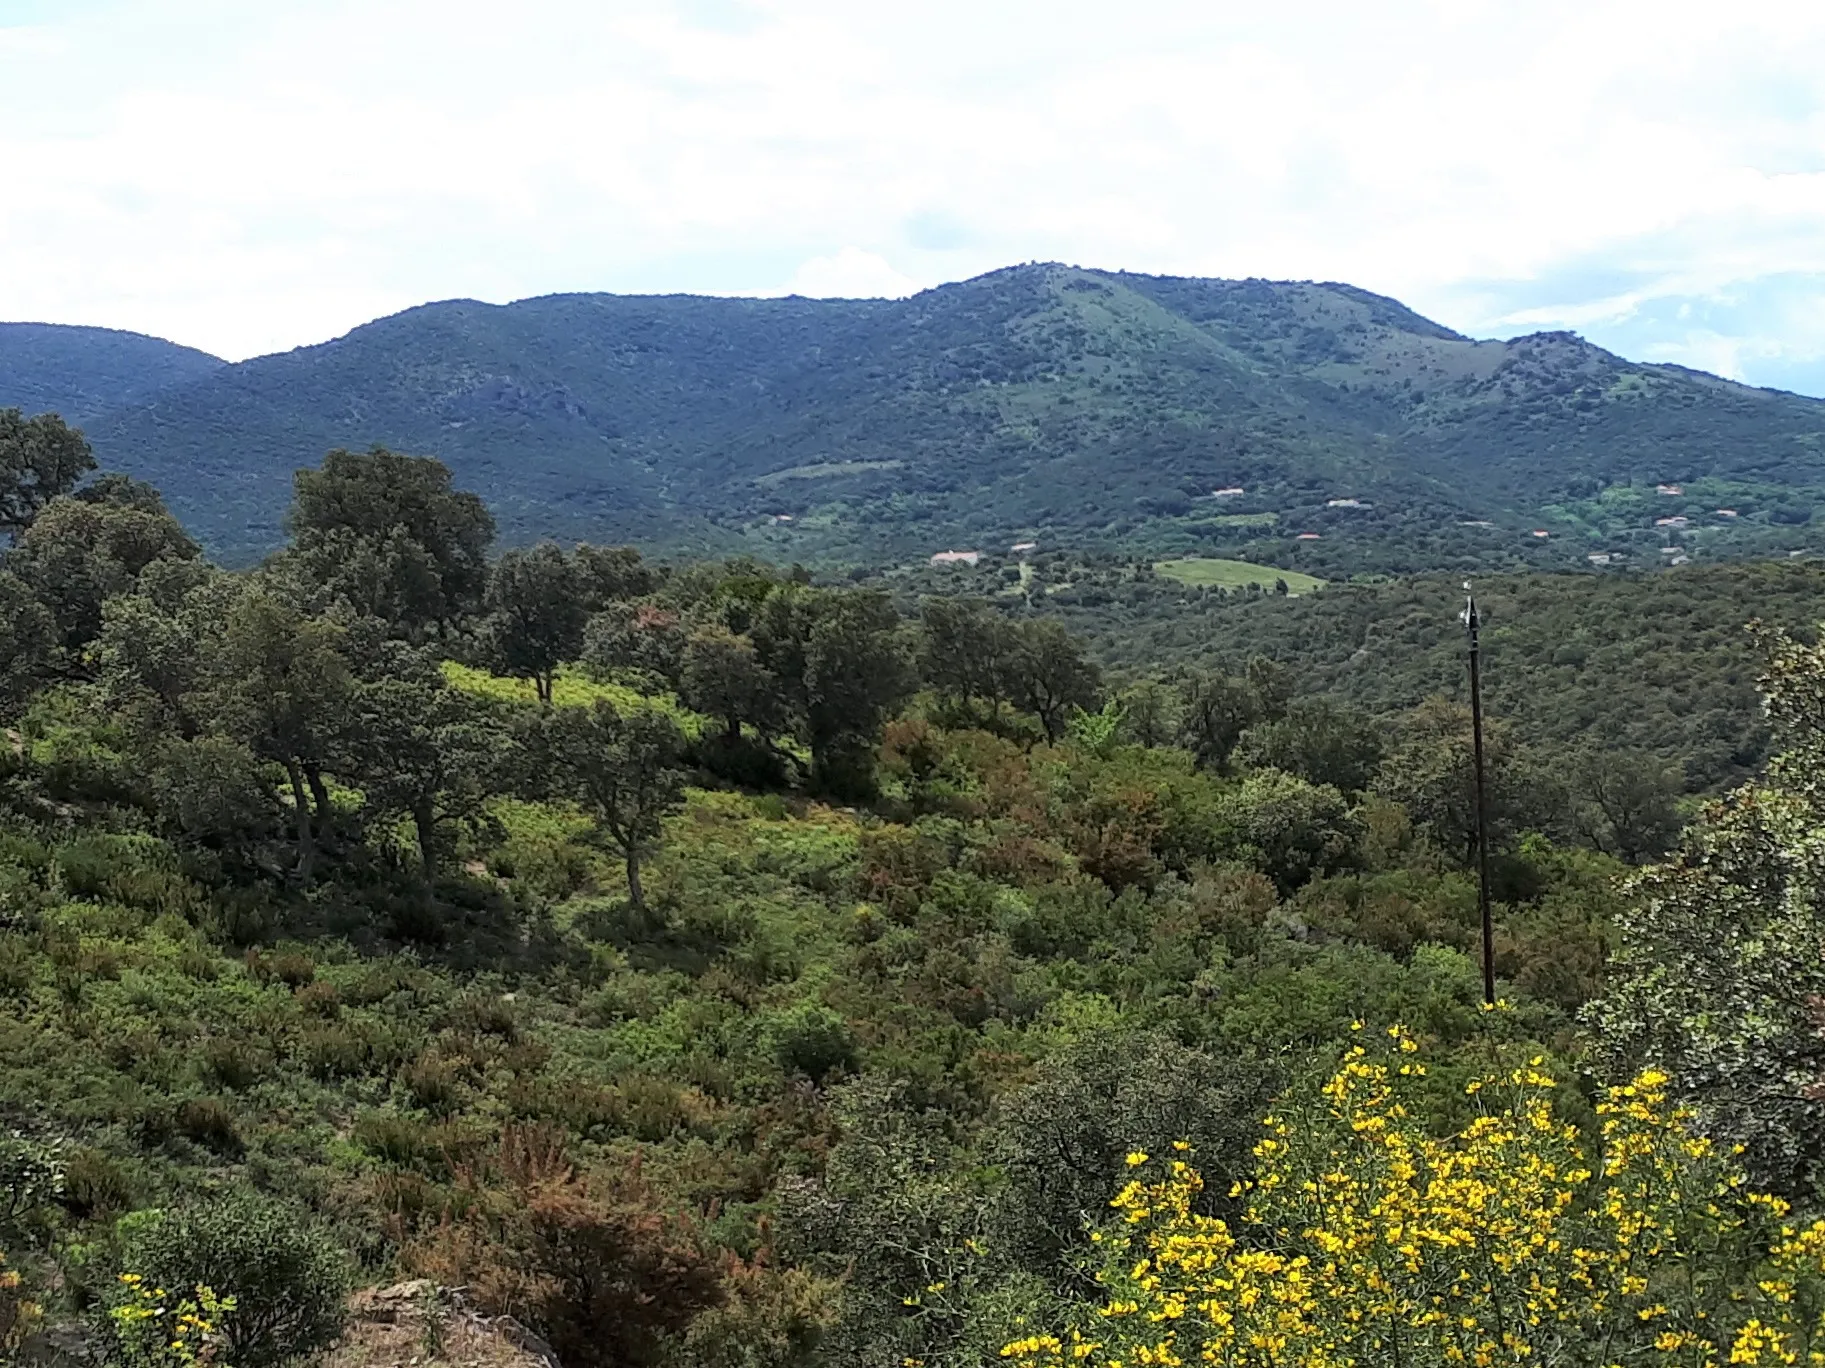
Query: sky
246 178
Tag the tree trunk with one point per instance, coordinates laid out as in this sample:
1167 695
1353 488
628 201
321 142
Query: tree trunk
635 894
542 683
320 794
301 811
732 729
424 819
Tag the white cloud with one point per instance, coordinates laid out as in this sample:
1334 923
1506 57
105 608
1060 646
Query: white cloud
252 177
850 274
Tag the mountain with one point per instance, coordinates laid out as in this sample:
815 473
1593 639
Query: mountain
1070 406
83 372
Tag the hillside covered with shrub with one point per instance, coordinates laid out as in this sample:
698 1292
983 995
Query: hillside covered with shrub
705 965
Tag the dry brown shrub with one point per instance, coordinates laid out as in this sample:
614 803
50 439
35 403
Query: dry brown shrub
595 1262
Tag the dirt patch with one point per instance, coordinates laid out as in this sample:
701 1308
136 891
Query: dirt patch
419 1325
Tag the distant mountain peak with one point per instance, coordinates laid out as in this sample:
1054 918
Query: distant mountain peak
1096 408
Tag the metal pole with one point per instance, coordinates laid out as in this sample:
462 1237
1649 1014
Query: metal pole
1472 622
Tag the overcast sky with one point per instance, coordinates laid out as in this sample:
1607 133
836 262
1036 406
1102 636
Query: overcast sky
251 176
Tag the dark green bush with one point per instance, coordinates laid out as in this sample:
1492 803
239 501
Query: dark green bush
289 1281
234 1062
814 1041
387 1135
485 1014
96 1184
210 1122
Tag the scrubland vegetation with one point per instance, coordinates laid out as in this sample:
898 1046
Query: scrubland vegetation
705 965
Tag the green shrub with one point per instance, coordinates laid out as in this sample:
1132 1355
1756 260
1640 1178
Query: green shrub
320 999
95 1183
233 1062
813 1041
485 1014
289 1282
31 1176
16 967
209 1122
431 1081
387 1135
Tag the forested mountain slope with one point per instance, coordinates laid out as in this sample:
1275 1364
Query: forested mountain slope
82 372
1077 407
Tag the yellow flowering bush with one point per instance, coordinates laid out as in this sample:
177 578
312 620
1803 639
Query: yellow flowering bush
18 1313
1365 1240
154 1329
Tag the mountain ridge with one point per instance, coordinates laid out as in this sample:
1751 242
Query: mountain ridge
82 371
1102 408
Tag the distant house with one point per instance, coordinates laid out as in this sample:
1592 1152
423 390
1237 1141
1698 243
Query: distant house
1306 536
1475 522
1233 492
1346 503
1598 558
1541 532
1669 489
956 558
1680 560
1024 546
1726 512
1671 522
779 517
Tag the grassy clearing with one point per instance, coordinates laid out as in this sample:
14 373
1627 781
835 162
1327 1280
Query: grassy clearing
1243 519
572 688
1234 574
824 470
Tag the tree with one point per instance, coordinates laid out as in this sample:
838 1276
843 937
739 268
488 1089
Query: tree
419 749
1624 803
640 637
536 615
390 536
279 684
1215 709
722 676
28 641
157 641
1060 1140
856 671
614 574
965 647
80 552
842 667
41 458
1431 772
624 770
1149 713
1291 830
892 1217
1319 740
1049 676
1718 974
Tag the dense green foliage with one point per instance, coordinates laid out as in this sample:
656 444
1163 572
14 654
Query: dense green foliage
1080 408
728 970
84 372
1654 663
